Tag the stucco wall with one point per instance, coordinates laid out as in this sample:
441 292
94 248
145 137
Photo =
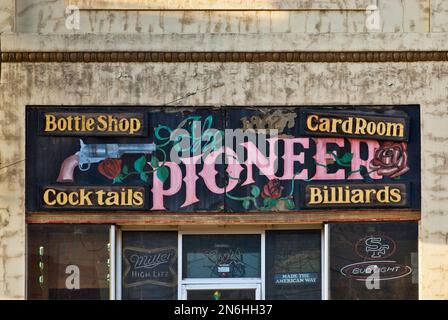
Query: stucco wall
226 84
42 16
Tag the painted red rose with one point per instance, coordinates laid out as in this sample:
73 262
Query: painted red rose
390 160
110 168
272 189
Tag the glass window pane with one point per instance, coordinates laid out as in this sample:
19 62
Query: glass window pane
293 265
374 260
68 261
221 256
149 265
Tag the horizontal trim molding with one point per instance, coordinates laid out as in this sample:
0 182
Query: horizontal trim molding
187 57
216 218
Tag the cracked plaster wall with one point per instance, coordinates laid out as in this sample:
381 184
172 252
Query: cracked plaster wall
228 84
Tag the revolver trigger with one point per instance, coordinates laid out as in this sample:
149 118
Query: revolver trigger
82 168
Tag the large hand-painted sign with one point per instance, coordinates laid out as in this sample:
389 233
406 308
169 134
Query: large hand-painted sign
222 159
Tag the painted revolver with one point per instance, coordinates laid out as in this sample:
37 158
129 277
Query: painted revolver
94 153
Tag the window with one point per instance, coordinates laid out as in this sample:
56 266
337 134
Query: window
221 256
149 265
68 262
293 265
374 260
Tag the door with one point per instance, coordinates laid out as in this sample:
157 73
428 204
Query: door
216 291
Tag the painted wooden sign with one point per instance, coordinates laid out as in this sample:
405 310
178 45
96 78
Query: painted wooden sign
226 159
94 197
355 195
92 124
354 124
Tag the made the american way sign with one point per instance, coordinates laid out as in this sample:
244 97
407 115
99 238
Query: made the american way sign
222 159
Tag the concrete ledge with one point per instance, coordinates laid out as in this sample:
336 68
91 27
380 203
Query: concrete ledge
271 42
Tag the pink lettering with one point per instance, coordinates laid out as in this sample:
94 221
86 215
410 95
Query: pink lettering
357 162
266 165
321 158
290 158
158 193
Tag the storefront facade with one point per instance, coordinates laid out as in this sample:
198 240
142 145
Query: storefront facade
223 166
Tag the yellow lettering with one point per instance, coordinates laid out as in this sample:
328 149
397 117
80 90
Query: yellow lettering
371 128
102 123
383 195
347 125
315 196
335 125
113 199
90 124
381 129
360 126
395 195
138 198
325 125
311 122
100 197
50 123
113 124
357 196
135 125
123 125
46 197
85 197
73 198
369 193
395 129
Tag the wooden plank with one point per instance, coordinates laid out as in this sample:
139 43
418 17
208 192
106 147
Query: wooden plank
132 218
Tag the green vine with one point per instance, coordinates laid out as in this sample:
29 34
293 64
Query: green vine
269 203
139 167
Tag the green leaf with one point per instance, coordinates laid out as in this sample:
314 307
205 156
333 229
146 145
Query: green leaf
346 158
273 203
144 177
267 202
246 204
125 169
117 180
255 191
154 162
139 164
290 204
162 173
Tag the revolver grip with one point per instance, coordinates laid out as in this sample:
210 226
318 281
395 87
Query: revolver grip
67 168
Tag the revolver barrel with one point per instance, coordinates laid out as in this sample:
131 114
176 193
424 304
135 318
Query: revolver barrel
116 150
